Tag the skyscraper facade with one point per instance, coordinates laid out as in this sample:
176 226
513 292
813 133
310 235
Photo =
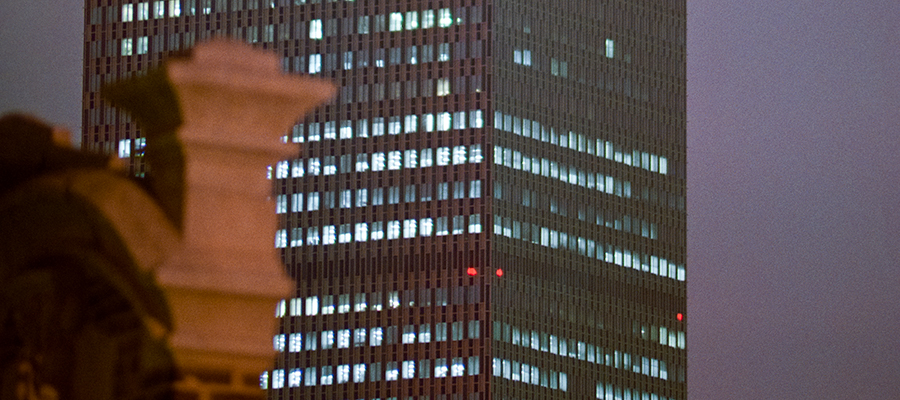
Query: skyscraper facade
493 206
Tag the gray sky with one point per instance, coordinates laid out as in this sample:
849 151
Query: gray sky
40 59
794 158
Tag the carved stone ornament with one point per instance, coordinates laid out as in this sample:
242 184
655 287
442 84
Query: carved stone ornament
110 287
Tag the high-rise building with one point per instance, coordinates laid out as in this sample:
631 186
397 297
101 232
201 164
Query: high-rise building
493 206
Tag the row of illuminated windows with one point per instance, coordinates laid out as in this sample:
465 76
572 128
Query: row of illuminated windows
350 198
585 212
372 372
373 337
410 89
135 46
380 161
393 22
664 336
557 67
547 237
379 126
516 159
425 297
397 21
613 392
371 231
382 57
548 343
125 146
143 11
531 374
578 142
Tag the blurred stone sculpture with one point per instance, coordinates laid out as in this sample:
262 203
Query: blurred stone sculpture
111 286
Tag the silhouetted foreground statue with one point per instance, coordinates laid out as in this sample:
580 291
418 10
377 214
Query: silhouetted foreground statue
110 287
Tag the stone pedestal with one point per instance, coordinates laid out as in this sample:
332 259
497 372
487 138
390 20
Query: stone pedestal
225 280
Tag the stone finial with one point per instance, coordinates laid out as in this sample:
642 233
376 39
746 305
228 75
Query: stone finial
226 279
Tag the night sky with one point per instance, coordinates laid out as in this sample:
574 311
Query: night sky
793 189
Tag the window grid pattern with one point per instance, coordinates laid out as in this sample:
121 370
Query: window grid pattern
439 76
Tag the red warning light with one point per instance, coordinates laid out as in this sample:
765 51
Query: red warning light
499 272
679 316
471 271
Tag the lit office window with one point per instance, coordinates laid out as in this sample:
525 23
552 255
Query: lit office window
315 29
475 153
295 377
315 64
376 336
391 373
125 148
327 339
458 224
309 376
424 333
346 130
297 169
343 304
393 230
427 19
444 52
409 334
474 365
458 368
295 342
378 162
348 64
610 48
362 230
412 20
343 338
159 9
394 299
475 119
475 223
281 204
127 13
396 22
281 170
327 375
394 160
281 238
329 166
278 342
445 19
408 369
442 227
174 8
362 25
359 373
443 122
312 305
345 234
143 11
440 368
459 155
426 227
311 341
142 45
377 230
278 379
426 158
329 130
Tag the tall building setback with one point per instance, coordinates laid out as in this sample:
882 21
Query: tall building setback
492 208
